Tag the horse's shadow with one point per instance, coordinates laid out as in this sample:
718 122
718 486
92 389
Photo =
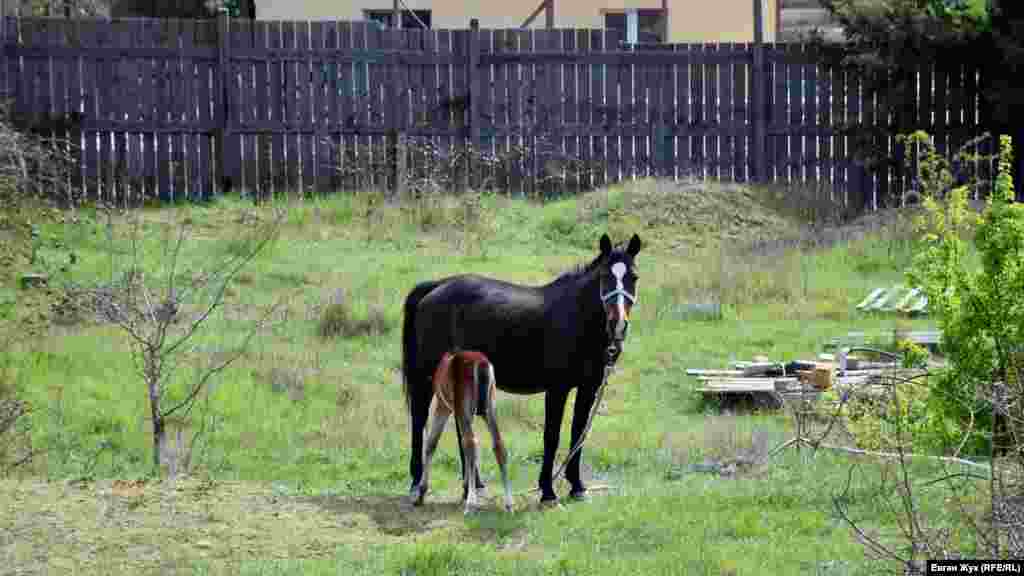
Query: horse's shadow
393 515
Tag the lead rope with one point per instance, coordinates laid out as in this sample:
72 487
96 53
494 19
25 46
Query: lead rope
609 364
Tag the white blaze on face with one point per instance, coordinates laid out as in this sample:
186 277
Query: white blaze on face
619 271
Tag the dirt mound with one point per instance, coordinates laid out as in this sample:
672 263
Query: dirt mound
687 213
762 220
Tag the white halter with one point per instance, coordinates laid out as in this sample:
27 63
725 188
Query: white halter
618 270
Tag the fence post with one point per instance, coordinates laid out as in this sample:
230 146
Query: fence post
223 115
475 89
758 96
397 151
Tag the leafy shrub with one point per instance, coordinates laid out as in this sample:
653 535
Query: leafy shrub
980 311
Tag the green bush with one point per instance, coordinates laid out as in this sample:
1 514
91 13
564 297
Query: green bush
980 311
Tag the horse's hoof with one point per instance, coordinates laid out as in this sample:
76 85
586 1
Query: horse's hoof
579 496
416 496
508 506
549 502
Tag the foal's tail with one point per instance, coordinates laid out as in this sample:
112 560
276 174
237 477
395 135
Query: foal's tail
409 346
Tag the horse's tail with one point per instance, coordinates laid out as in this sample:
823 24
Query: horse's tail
409 334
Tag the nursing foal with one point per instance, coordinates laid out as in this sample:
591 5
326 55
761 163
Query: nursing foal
464 385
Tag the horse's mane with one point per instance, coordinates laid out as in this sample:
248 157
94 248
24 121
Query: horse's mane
584 268
577 270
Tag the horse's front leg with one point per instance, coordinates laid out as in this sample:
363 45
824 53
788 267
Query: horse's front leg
554 409
585 396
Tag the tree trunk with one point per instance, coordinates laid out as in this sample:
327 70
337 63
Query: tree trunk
159 439
159 433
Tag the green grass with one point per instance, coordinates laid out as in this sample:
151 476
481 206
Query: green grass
305 457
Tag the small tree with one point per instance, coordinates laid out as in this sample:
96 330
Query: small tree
164 316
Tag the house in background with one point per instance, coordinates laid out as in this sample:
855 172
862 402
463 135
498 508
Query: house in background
672 21
127 8
645 21
799 18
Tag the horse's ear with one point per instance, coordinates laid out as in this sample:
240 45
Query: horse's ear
606 244
634 245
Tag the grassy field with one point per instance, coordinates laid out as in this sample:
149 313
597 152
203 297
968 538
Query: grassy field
303 461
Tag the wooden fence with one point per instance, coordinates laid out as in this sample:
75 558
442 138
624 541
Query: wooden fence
176 108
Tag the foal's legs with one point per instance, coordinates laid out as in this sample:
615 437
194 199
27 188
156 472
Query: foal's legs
437 424
480 486
500 454
470 464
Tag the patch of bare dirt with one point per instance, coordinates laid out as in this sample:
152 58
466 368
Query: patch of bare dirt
145 528
149 527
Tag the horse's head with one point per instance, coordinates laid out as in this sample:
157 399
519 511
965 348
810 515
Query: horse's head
618 289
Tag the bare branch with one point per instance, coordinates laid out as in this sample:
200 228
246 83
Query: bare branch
201 384
877 547
952 476
217 298
858 451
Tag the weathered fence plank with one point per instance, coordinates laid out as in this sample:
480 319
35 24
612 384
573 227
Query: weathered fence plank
810 118
726 110
940 107
324 76
481 112
569 142
741 103
712 105
627 119
683 118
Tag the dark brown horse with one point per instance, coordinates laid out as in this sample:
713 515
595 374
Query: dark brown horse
549 339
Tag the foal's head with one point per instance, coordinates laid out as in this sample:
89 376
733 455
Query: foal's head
618 287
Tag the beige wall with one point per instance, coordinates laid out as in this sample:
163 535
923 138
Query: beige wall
690 20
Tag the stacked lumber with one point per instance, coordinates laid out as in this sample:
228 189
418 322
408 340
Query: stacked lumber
796 377
759 375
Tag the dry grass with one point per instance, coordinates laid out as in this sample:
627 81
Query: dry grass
133 527
338 320
722 441
681 216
